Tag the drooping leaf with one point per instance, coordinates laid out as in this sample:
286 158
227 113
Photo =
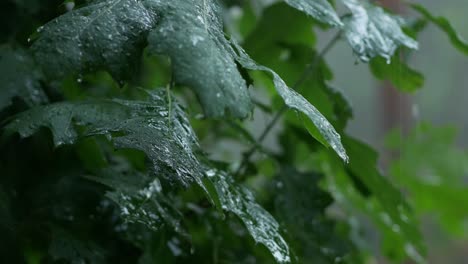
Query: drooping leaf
381 201
20 78
288 50
111 35
372 32
398 72
140 198
163 134
261 225
318 9
167 139
442 23
300 207
195 44
432 170
297 102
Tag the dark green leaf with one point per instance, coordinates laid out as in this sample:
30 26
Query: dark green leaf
441 22
111 35
166 137
297 102
163 134
371 31
140 198
191 34
300 207
261 225
19 78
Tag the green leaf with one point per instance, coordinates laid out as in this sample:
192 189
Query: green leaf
442 23
318 9
199 58
140 198
398 72
111 35
361 187
300 206
163 134
431 168
106 35
297 102
372 32
19 78
261 225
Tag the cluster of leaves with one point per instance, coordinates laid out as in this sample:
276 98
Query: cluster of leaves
100 164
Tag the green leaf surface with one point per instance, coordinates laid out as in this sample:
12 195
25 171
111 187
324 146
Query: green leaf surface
300 206
163 134
321 10
372 32
398 73
443 23
361 187
140 199
196 45
261 225
111 35
297 102
20 78
167 139
432 169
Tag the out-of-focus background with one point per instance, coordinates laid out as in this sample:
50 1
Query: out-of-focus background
442 101
444 95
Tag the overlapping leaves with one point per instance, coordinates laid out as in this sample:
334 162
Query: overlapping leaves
111 35
167 139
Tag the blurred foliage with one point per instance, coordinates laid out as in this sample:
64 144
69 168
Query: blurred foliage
100 153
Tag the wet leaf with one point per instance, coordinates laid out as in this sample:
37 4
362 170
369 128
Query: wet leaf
111 35
442 23
318 9
20 78
167 139
191 34
163 134
261 225
372 32
300 207
297 102
140 198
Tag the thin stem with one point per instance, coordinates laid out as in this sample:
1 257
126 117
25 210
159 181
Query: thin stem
305 74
